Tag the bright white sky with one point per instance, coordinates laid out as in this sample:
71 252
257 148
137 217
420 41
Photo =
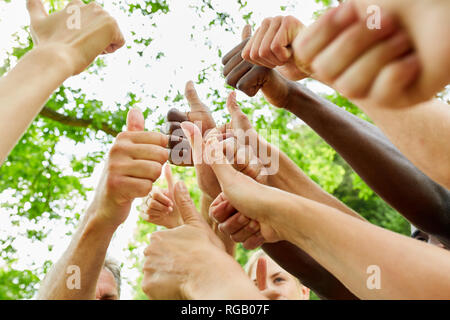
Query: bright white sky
183 60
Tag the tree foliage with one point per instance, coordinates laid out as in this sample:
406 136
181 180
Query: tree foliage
40 182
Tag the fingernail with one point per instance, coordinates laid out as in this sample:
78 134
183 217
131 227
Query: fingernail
253 225
170 209
242 219
344 14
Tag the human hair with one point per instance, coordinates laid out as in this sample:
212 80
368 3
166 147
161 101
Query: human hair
113 266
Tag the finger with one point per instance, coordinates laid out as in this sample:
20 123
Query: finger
315 38
251 82
255 56
181 154
395 78
185 204
141 169
132 187
135 120
233 63
281 45
195 138
169 178
192 97
245 233
235 223
221 211
157 207
174 128
149 152
261 273
175 140
36 10
238 117
156 138
236 50
238 72
246 32
162 198
248 48
224 171
254 242
357 80
176 116
348 46
265 51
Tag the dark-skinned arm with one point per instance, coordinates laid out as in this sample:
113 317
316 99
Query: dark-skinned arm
380 164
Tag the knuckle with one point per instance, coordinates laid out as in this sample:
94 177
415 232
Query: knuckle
145 188
113 182
264 52
266 22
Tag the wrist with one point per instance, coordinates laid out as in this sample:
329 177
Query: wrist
222 278
95 216
54 58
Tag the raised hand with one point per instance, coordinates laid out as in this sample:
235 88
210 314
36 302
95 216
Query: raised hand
271 47
168 270
180 149
135 162
250 78
159 206
77 34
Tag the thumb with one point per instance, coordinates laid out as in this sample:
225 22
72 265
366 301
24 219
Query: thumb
169 178
185 204
192 132
238 118
192 97
36 10
135 120
246 32
261 273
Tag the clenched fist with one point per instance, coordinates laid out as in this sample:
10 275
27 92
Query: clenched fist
135 162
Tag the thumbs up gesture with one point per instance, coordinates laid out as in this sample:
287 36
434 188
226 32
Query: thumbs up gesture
135 162
159 206
190 262
76 35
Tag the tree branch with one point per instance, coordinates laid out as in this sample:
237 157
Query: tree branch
75 122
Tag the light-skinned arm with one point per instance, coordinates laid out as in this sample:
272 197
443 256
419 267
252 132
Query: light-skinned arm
342 244
135 162
59 53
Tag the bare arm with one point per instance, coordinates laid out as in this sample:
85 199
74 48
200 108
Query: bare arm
421 133
86 252
379 163
134 163
345 246
59 53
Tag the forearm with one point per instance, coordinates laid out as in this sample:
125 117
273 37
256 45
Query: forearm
421 132
24 90
292 179
379 163
86 253
347 247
